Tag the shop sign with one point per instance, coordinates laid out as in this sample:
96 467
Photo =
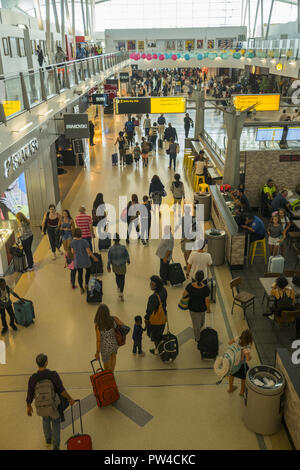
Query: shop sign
76 126
289 158
124 77
21 156
76 109
78 146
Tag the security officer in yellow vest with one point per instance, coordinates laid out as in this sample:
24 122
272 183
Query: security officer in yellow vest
268 193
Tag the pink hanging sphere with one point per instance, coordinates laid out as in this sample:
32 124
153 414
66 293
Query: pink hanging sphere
132 56
154 56
161 57
174 57
149 56
143 56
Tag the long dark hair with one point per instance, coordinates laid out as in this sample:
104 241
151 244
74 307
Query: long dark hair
156 180
68 213
103 320
98 201
199 276
158 283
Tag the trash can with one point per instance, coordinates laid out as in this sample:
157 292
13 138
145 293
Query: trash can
264 397
203 198
216 245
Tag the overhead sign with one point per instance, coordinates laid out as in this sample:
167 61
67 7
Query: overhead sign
279 67
134 66
264 102
11 107
293 133
124 77
136 105
20 157
265 134
76 126
100 98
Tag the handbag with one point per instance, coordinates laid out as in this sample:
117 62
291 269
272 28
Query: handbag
121 339
184 303
158 317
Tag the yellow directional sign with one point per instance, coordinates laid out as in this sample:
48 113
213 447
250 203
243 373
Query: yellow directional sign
264 102
168 104
11 107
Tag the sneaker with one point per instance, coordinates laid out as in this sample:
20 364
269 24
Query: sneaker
4 330
29 269
48 442
142 354
82 290
14 327
54 256
134 354
144 243
122 297
74 287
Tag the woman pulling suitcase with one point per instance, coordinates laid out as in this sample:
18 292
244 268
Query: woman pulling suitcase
105 325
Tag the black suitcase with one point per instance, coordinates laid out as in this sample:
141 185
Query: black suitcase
176 274
208 343
95 296
211 283
168 347
129 159
19 263
97 267
104 244
160 144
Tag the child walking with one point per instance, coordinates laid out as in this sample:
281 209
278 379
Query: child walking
145 152
137 153
69 257
244 342
276 235
137 336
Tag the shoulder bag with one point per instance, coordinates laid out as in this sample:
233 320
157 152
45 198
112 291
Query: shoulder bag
158 317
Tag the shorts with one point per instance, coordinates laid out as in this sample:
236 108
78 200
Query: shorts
144 155
67 235
274 241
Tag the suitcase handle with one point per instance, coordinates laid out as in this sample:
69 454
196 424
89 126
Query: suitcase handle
94 360
80 417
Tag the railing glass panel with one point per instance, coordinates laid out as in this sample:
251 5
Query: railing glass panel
33 87
49 82
11 96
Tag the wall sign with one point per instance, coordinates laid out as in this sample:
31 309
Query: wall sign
78 146
76 126
76 109
124 77
289 158
21 156
100 98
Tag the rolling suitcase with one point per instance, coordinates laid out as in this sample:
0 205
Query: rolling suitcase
129 159
168 347
19 263
211 283
94 291
276 264
104 243
176 274
160 143
97 267
79 441
114 159
24 312
208 343
104 386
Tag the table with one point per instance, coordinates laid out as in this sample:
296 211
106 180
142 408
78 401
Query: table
296 222
267 282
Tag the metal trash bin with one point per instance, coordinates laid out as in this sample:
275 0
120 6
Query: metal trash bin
203 198
264 397
216 245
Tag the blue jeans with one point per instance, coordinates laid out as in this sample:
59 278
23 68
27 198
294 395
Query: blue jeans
172 159
51 429
137 345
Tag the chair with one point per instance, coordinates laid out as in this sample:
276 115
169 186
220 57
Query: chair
187 154
287 317
242 299
196 181
275 275
297 251
252 251
293 236
290 273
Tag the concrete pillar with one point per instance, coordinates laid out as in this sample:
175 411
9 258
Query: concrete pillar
234 125
199 121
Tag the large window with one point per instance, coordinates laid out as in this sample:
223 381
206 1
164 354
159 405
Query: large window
129 14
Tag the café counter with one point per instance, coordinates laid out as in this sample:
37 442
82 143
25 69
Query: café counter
223 219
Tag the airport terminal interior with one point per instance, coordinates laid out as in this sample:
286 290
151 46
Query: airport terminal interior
113 112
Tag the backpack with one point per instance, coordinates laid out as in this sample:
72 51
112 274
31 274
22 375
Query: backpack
229 363
46 402
177 190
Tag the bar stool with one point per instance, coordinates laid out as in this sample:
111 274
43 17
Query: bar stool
185 159
253 247
190 164
196 181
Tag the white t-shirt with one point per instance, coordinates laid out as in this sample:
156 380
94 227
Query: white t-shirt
199 262
199 167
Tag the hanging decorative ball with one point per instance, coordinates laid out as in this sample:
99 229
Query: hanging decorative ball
178 56
237 55
187 57
132 55
161 57
154 56
143 56
149 56
212 55
174 57
199 56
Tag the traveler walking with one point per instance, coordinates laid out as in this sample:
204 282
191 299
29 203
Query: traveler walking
243 343
156 312
137 336
92 132
66 227
153 135
82 254
106 343
137 153
199 302
98 204
172 151
69 263
147 125
121 141
129 127
6 304
170 132
198 261
164 252
145 221
276 235
40 55
118 257
161 121
156 190
132 216
46 387
26 236
188 122
177 189
50 224
85 223
145 152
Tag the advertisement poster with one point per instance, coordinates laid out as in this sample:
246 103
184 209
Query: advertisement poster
210 44
189 44
180 44
225 43
120 46
199 43
171 45
151 44
14 200
141 45
131 45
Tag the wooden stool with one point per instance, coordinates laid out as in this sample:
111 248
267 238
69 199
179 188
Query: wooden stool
190 164
253 247
196 181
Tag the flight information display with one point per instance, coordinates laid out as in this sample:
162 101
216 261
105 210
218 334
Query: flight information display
264 134
293 133
263 102
157 105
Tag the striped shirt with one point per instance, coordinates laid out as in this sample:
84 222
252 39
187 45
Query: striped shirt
84 221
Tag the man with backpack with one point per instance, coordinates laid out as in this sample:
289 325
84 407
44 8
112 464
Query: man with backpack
147 125
173 150
170 132
161 121
188 122
46 388
129 127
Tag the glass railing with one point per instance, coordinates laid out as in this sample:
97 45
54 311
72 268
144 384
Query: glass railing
220 153
21 92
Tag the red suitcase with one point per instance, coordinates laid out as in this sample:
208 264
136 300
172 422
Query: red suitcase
79 441
104 386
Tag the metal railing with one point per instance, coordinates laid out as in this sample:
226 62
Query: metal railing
220 153
22 91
